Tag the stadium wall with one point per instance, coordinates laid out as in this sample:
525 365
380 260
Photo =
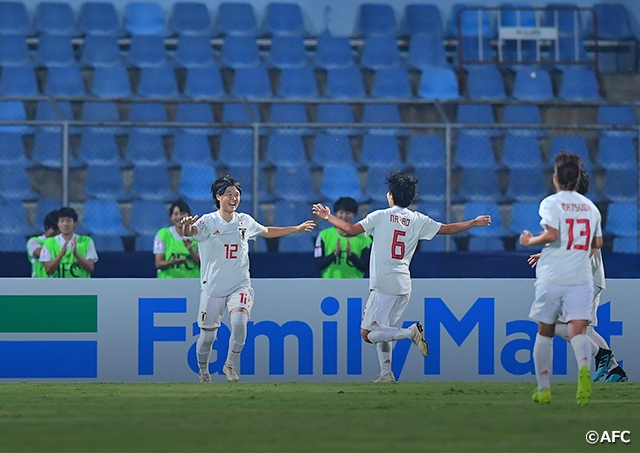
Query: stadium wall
301 330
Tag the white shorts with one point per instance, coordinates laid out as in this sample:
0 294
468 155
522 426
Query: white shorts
574 301
596 303
383 310
211 308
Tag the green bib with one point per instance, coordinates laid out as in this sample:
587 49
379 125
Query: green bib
341 268
37 268
69 266
175 248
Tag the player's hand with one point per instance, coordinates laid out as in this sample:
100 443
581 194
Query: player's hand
307 226
321 211
188 243
525 238
188 220
348 248
533 259
338 248
74 247
483 220
178 261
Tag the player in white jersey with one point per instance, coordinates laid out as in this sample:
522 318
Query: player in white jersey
396 232
564 282
223 238
604 357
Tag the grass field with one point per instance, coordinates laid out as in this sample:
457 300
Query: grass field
310 417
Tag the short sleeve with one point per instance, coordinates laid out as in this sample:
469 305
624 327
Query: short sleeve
92 254
549 214
254 229
32 246
429 227
45 255
370 222
158 245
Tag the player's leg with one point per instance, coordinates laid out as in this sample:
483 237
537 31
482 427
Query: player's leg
209 318
605 360
375 326
562 331
384 351
578 307
239 305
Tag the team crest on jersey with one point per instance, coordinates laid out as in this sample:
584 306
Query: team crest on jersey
242 230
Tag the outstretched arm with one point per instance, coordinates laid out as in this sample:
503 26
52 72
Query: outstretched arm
187 225
459 227
352 229
276 232
549 235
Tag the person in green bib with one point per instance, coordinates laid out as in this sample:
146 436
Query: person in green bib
176 256
68 254
338 255
35 243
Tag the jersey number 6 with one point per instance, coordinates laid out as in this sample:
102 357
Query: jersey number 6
397 246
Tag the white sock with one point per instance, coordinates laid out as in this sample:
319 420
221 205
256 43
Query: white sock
203 348
542 360
384 350
384 333
582 349
601 342
239 321
562 331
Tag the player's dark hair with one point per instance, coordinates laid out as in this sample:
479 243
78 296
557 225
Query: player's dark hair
584 184
181 205
567 168
347 204
68 212
220 185
403 188
51 220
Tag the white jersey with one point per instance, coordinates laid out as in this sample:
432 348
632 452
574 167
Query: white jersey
396 232
597 268
224 251
566 260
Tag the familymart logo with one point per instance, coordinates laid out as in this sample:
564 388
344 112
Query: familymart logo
62 323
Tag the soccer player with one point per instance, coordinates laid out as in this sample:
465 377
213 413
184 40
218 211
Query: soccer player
223 238
605 360
175 255
396 232
338 255
564 282
68 255
34 244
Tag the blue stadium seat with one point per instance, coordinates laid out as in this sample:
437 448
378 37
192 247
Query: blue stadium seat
426 50
375 187
194 51
526 184
14 50
16 223
195 182
477 114
244 174
192 148
485 243
622 219
286 150
240 113
104 182
144 242
144 18
431 184
146 148
103 217
108 242
625 244
158 82
521 151
287 52
236 147
474 151
376 19
283 19
621 185
146 51
47 149
45 206
422 18
574 144
64 81
615 151
101 50
468 21
523 52
391 83
111 82
290 213
236 18
240 51
569 54
425 150
333 52
55 50
340 114
434 209
438 83
474 50
296 242
383 114
99 147
251 82
204 82
190 19
379 52
523 114
524 216
12 147
516 57
435 244
613 22
18 81
297 82
344 83
99 18
288 113
478 184
341 181
532 84
380 151
48 110
55 18
147 217
153 112
151 182
101 111
564 20
332 149
617 115
14 18
579 84
485 83
14 183
13 111
475 209
196 113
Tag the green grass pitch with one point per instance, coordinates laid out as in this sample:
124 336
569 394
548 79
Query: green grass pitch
310 417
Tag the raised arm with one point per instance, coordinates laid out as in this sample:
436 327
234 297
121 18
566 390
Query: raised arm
459 227
352 229
187 225
276 232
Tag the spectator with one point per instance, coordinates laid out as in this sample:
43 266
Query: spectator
35 243
176 256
